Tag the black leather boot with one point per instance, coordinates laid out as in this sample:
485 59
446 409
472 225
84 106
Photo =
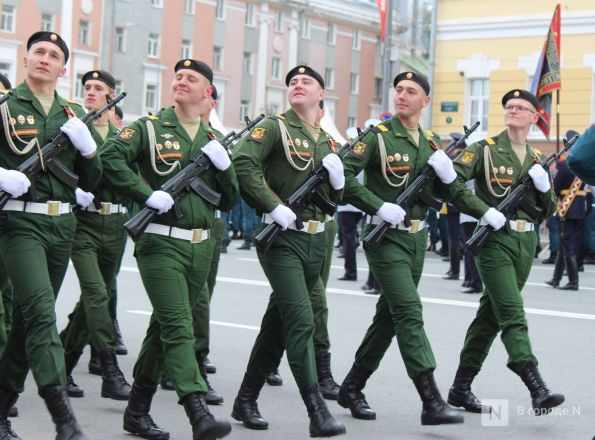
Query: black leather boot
551 259
351 396
7 400
274 379
167 383
212 397
94 365
209 366
460 394
542 398
119 347
558 271
435 410
322 423
204 425
13 412
328 387
58 404
137 419
70 361
572 269
245 408
114 385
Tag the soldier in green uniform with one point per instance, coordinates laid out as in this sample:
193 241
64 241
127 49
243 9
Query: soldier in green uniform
174 254
392 155
272 162
37 228
498 164
99 241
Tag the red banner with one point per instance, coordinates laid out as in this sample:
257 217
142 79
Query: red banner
382 9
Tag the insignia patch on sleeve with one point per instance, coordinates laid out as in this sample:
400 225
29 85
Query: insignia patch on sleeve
359 149
466 158
257 134
127 134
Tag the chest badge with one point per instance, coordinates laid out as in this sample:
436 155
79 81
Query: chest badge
21 119
30 120
398 157
405 157
502 169
305 143
510 171
298 142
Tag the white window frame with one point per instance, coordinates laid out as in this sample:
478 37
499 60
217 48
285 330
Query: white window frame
274 108
119 86
331 34
84 38
148 109
483 104
378 87
157 3
351 121
190 7
249 19
247 63
120 39
153 48
354 83
244 109
186 48
306 28
279 21
276 68
8 20
79 89
218 65
356 43
220 10
47 25
8 68
329 78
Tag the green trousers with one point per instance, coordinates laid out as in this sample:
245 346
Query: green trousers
504 264
292 265
397 265
173 273
36 250
98 244
5 305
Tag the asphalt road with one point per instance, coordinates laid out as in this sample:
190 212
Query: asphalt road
562 330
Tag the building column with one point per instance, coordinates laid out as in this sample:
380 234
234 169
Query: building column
261 69
64 87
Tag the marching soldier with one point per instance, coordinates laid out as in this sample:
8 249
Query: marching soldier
498 164
99 242
392 155
37 228
575 199
272 162
174 254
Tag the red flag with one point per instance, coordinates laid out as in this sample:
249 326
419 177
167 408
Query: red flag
382 9
547 73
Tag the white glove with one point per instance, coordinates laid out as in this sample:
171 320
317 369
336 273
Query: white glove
494 218
80 136
391 213
334 166
83 198
217 154
541 179
14 182
443 167
161 201
283 216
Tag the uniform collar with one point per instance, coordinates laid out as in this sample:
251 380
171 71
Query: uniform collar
505 146
24 93
292 118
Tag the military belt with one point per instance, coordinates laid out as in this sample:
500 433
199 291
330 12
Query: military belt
51 208
416 225
517 225
310 226
191 235
107 208
217 213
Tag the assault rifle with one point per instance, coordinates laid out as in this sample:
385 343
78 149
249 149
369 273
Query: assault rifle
185 181
308 192
47 159
517 199
414 192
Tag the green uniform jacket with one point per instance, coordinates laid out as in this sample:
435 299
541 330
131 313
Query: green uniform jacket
172 143
266 174
104 192
503 171
30 121
402 163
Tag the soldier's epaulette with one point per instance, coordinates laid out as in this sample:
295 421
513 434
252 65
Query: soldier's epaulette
3 92
489 141
430 134
71 101
382 128
277 117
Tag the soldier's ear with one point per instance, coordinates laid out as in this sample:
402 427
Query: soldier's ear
62 72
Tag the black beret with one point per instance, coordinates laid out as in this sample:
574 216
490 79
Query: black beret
197 66
214 93
52 38
412 76
5 82
304 70
520 94
119 112
100 75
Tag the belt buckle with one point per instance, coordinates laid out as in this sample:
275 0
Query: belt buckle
196 236
53 208
521 225
312 227
106 208
414 226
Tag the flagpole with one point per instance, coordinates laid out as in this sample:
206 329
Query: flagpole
557 120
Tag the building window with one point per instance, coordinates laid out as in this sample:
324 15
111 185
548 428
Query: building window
84 32
279 21
479 93
119 86
356 42
47 22
244 110
5 69
120 39
157 3
217 58
276 68
306 28
189 7
153 48
186 49
273 109
331 34
249 15
351 121
8 19
247 64
79 90
354 83
220 10
329 78
151 98
378 88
